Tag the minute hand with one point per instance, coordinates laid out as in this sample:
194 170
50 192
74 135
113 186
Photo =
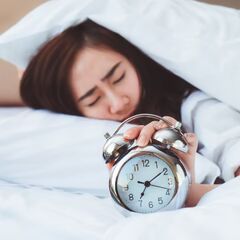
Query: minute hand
156 176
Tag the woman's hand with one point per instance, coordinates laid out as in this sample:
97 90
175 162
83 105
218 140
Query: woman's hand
20 73
143 135
237 173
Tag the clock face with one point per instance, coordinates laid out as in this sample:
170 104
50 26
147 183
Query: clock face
146 183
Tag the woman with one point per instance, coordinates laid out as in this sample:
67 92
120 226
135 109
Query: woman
89 70
87 67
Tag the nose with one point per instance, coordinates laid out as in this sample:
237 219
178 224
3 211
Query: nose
118 103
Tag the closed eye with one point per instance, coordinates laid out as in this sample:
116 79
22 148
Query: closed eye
115 82
120 79
92 103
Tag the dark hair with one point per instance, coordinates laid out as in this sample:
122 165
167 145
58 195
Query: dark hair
45 83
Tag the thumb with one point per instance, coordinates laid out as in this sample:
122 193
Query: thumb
192 142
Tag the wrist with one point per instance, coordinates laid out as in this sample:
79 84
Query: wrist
196 192
237 172
192 177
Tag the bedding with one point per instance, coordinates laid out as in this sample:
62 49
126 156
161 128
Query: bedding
46 149
217 127
53 182
33 213
198 41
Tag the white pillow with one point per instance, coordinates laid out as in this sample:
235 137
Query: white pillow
199 42
46 149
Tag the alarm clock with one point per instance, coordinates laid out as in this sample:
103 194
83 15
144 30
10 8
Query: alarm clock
151 178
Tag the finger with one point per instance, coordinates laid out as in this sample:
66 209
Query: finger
192 143
170 121
133 132
146 133
110 165
148 130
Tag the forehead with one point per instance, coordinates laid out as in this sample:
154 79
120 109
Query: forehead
93 63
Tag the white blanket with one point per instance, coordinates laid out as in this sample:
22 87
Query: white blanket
43 214
217 127
42 171
199 42
40 185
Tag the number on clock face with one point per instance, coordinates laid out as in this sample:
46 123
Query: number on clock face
146 183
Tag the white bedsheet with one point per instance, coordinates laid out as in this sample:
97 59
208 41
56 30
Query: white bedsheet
44 214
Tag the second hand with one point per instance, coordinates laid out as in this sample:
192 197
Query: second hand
154 185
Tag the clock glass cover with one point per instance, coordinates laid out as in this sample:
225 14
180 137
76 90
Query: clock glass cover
146 183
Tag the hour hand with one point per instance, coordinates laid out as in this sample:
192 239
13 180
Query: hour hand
142 193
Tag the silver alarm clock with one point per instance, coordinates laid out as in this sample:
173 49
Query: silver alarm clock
151 178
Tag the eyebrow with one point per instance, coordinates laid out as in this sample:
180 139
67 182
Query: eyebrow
107 76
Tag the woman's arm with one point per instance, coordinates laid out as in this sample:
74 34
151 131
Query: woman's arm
9 86
196 191
20 73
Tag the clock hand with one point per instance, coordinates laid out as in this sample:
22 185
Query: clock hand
156 176
146 184
160 186
153 185
142 193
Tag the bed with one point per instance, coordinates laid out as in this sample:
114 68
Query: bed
53 182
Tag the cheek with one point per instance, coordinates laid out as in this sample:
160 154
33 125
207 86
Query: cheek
133 87
96 112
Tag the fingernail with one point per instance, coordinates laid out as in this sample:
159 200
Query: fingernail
142 140
126 135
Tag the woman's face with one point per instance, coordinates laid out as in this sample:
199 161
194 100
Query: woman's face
105 84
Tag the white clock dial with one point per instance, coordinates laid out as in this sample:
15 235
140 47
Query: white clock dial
146 183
